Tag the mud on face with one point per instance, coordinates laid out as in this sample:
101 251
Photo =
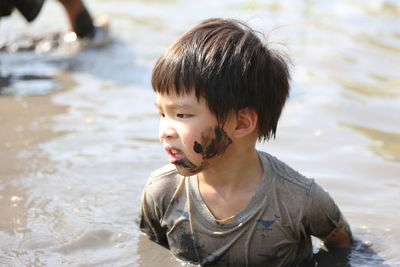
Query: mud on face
214 141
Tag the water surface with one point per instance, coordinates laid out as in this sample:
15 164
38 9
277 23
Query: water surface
78 132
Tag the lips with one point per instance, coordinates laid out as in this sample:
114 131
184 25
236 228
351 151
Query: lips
174 153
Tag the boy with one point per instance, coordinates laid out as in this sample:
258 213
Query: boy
221 202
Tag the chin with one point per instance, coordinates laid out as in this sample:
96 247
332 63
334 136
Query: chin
185 171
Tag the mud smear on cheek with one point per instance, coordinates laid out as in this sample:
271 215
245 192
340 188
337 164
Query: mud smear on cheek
198 148
215 141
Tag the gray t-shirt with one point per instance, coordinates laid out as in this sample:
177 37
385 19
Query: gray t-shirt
273 230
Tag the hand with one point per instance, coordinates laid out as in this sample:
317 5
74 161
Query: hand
339 237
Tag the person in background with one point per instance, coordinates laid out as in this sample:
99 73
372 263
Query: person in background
79 17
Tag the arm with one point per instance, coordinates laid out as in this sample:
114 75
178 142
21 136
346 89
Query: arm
325 220
150 221
339 237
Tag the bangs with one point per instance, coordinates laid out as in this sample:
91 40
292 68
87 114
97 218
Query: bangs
175 72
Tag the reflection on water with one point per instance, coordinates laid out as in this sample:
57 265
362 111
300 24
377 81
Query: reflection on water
28 85
28 73
385 145
387 87
12 203
78 132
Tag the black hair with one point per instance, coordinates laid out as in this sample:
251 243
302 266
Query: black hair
224 61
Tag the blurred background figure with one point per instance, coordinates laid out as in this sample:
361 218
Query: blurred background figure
78 15
29 8
79 18
82 24
85 32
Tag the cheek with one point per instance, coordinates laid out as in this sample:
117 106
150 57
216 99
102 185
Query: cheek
196 158
190 151
188 136
214 142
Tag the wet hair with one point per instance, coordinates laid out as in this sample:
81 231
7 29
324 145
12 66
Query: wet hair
224 61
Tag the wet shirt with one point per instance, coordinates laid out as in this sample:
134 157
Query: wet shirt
273 230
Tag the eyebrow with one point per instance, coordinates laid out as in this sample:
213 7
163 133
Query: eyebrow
174 106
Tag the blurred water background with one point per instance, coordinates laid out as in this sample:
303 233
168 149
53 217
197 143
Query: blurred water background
78 128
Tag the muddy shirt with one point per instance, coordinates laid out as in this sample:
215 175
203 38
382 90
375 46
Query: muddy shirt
273 230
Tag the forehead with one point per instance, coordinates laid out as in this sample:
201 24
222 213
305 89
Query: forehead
182 100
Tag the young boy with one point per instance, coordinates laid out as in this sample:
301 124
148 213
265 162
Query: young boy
221 202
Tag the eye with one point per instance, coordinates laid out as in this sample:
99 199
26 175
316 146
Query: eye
162 115
183 116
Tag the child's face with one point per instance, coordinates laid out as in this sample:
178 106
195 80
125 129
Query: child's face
189 132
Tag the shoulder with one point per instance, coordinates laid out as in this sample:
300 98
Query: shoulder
160 174
163 183
286 175
303 195
164 178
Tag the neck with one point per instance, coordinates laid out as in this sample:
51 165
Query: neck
238 169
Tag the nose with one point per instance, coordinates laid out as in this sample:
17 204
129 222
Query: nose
166 129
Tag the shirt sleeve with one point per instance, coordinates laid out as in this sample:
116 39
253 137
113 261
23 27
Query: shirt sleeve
322 214
150 220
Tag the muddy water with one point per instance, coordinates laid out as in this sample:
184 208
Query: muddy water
79 130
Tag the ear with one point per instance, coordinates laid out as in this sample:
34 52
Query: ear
246 123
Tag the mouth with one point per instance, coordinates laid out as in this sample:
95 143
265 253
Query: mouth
174 154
